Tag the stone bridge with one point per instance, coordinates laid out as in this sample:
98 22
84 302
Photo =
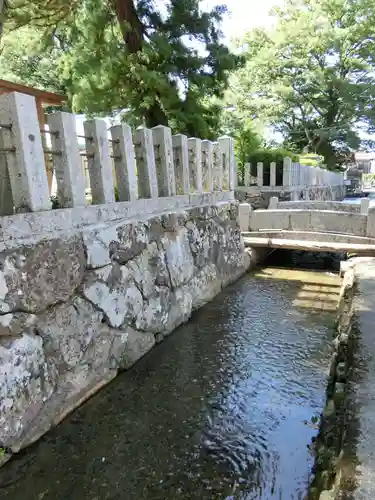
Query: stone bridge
329 226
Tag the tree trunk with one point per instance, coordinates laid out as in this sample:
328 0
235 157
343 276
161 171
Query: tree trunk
132 32
2 12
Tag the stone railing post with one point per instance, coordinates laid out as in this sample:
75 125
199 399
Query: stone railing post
227 151
124 161
260 174
247 174
287 167
146 169
273 203
195 164
24 153
273 174
217 172
207 165
370 231
67 165
6 198
365 205
98 162
244 210
181 158
162 138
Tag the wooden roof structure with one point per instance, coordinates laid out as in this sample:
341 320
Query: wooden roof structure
42 96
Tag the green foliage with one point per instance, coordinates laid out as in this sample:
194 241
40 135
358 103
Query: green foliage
124 56
311 77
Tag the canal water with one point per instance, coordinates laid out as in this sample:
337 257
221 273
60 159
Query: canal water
222 409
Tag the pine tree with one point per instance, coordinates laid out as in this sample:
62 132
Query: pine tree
157 66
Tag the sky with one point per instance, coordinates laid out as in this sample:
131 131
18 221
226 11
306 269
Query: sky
244 15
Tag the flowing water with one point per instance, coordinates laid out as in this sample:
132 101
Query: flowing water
220 410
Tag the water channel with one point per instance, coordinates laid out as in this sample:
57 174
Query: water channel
222 409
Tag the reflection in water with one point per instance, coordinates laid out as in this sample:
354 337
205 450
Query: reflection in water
220 410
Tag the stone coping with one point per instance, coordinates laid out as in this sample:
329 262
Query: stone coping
33 226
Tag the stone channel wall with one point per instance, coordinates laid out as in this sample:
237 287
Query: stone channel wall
333 471
77 307
259 197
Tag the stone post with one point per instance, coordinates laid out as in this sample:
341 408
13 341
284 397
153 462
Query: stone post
247 174
195 164
145 158
244 210
181 158
98 162
273 174
287 167
370 231
25 156
273 204
207 165
217 167
227 151
260 174
124 161
67 165
365 205
162 138
6 198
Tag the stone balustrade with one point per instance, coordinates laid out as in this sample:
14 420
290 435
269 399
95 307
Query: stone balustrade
294 176
146 164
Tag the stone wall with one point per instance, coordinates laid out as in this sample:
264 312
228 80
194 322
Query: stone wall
76 307
259 197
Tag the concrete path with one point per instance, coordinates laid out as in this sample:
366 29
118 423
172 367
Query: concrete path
360 439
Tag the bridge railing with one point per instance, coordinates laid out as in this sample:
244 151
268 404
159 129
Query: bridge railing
123 166
338 206
294 175
318 217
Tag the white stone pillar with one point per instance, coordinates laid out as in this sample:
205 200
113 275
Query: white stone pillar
98 162
217 167
244 210
145 158
207 161
287 167
181 160
67 165
260 174
273 174
365 204
227 151
25 156
6 198
370 231
124 161
247 174
274 202
162 138
195 164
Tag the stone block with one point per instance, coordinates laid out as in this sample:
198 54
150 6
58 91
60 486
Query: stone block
178 257
131 345
33 278
27 381
244 216
132 240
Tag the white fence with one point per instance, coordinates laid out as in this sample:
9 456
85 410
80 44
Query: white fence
149 163
294 175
